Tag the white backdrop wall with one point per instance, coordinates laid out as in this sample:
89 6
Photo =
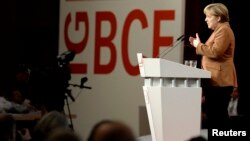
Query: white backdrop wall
106 35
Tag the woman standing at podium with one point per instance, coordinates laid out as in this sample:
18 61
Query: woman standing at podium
218 58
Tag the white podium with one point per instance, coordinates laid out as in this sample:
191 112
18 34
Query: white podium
172 95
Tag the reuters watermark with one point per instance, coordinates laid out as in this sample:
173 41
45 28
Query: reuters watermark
228 133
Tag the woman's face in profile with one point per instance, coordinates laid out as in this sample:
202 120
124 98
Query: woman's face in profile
211 20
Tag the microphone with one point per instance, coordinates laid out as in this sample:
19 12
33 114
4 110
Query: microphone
173 45
180 37
83 80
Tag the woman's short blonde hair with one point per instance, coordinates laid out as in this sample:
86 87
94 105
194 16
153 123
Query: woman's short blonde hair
217 9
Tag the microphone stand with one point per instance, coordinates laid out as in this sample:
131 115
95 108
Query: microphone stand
67 103
68 92
173 45
81 87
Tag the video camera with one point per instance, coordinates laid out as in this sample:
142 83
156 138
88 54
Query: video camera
65 58
63 63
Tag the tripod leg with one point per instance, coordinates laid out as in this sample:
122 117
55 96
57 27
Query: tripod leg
70 116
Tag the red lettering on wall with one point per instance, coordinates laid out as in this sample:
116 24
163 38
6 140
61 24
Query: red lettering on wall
107 41
81 17
134 15
158 40
101 42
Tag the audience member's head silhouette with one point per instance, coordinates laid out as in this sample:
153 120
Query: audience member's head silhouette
108 130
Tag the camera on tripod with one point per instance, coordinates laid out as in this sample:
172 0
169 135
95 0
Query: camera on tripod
63 63
64 69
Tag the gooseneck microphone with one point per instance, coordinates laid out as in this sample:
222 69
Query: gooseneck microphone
173 45
83 80
180 38
81 86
